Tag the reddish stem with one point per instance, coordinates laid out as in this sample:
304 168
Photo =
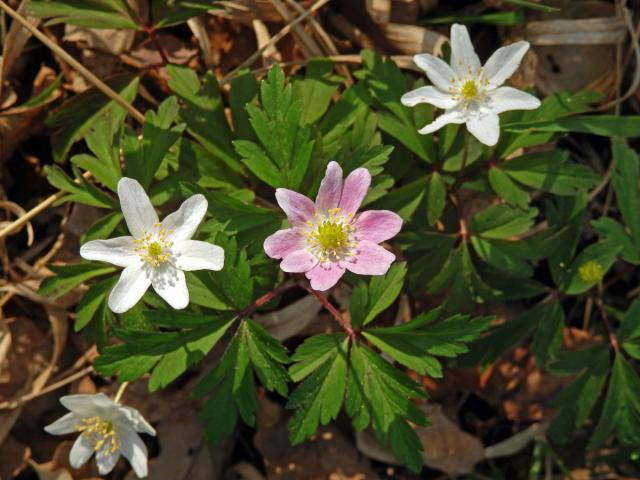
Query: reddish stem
344 323
266 298
605 320
153 35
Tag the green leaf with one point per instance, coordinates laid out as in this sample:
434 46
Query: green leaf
505 255
533 5
416 343
615 235
550 172
621 409
234 281
436 198
603 125
282 159
76 117
322 359
508 189
381 395
625 183
404 200
576 401
502 221
166 14
68 277
165 354
244 90
80 191
144 156
497 18
588 268
316 89
90 306
629 332
203 112
85 13
379 295
548 336
232 383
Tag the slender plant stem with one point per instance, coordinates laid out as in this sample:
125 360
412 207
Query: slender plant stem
344 323
121 390
266 298
153 35
103 87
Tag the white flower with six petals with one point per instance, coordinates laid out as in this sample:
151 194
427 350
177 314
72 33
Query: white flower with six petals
107 429
469 92
156 254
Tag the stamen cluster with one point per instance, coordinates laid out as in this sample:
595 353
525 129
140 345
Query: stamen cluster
101 434
331 236
153 247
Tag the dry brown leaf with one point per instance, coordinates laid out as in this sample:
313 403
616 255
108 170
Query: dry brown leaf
292 319
328 454
445 446
13 456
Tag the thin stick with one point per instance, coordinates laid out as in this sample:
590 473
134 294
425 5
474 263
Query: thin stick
344 323
275 39
103 87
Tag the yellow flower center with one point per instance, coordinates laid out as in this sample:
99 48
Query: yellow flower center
469 90
330 236
591 272
154 247
101 434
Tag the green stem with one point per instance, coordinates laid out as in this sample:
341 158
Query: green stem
121 390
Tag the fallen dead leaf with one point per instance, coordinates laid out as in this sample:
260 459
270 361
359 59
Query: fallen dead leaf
292 319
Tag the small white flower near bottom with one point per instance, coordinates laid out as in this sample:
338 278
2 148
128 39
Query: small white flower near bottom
107 429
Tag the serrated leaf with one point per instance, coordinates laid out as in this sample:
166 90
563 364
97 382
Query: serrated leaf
316 89
621 409
436 198
381 292
416 343
317 400
379 394
80 191
92 301
507 188
600 256
502 221
548 336
625 183
68 277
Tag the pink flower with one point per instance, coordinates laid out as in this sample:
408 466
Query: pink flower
327 238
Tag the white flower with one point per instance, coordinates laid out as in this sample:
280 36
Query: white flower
468 91
106 428
157 254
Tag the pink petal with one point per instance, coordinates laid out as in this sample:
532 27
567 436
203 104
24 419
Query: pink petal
330 188
378 225
354 190
296 206
283 242
371 259
325 276
298 262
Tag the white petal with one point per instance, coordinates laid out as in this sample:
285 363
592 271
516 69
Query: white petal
485 127
464 60
107 462
184 221
436 69
136 207
504 99
130 288
132 417
80 452
65 424
170 284
87 405
450 116
134 450
504 62
117 251
196 255
430 95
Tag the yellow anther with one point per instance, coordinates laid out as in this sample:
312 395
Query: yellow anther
101 434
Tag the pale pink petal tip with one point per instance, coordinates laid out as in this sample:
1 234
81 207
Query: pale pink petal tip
371 259
325 276
378 225
283 242
354 190
296 206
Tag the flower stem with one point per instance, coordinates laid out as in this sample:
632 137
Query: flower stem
151 32
266 298
344 323
121 390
